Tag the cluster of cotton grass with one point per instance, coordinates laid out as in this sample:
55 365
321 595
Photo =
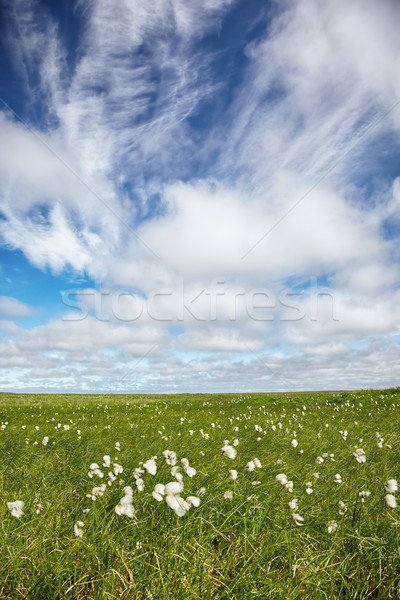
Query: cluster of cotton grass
360 456
171 492
391 487
230 452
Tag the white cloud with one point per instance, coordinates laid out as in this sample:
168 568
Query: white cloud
219 339
12 307
315 83
226 233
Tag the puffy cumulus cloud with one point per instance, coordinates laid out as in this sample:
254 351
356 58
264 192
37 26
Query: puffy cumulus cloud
79 353
12 307
72 338
210 231
220 339
90 354
327 315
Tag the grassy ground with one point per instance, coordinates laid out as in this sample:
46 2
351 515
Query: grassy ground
246 547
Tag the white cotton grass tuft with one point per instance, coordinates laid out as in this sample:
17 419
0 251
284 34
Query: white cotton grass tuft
138 472
16 508
173 488
107 461
150 466
97 491
193 501
170 457
281 478
179 505
331 526
250 466
293 504
78 528
140 485
125 506
364 494
117 469
294 443
190 471
342 508
94 469
298 519
233 474
159 492
178 476
337 478
228 495
229 451
289 486
390 500
391 486
359 455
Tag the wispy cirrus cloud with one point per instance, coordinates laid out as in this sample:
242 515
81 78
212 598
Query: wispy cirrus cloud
322 74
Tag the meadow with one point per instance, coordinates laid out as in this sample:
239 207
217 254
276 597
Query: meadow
200 496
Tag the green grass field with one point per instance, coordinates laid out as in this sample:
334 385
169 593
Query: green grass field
243 540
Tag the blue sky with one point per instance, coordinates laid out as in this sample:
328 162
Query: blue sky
199 195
